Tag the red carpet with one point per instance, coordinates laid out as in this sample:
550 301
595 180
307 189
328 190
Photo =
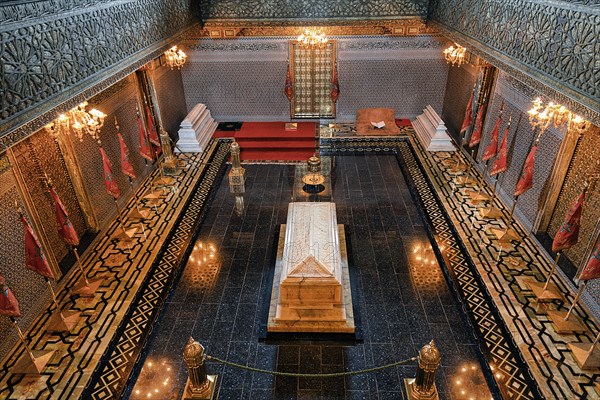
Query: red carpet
401 123
269 141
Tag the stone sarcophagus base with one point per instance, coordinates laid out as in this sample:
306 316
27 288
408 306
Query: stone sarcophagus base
311 286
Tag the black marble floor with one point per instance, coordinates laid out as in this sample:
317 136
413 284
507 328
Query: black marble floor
403 299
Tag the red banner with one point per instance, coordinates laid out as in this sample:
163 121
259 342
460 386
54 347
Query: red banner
468 121
126 166
500 162
526 181
145 150
109 179
35 259
335 85
152 134
492 148
9 306
476 135
592 269
65 227
289 87
568 234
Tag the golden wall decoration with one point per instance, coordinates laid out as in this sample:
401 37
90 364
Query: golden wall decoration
230 29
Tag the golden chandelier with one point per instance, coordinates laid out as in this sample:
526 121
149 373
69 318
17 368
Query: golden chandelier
311 38
175 58
455 55
554 114
78 120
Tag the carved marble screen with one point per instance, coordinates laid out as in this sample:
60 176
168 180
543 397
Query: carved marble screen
312 73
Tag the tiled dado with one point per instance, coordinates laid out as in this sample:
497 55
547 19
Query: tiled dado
544 350
84 360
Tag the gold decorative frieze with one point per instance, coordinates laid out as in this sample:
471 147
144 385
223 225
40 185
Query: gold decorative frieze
224 29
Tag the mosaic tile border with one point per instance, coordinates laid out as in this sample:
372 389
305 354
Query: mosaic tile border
121 264
545 351
110 377
503 354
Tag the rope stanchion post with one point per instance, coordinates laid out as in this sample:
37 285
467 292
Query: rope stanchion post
199 385
422 387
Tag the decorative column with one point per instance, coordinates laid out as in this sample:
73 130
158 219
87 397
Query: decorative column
198 385
169 162
237 178
422 387
237 175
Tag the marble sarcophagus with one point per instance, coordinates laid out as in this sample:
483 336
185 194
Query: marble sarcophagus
313 293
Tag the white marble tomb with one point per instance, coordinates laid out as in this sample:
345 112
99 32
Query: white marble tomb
195 130
312 286
431 131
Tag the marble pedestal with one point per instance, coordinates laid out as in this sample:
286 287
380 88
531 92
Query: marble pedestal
311 286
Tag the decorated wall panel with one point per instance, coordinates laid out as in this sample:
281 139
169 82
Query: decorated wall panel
49 55
244 78
171 98
585 162
517 100
459 87
552 43
29 289
37 156
119 101
291 9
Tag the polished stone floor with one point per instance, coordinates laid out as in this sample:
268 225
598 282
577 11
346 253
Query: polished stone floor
401 296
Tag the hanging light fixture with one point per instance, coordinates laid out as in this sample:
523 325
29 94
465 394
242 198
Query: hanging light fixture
312 38
79 121
455 55
175 58
543 116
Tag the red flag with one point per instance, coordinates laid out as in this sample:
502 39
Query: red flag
500 162
145 150
126 166
335 85
35 259
289 88
476 135
468 114
492 147
9 306
109 179
526 181
65 227
568 234
592 269
152 135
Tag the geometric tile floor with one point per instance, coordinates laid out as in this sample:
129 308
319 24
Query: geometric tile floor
100 357
503 271
123 265
400 294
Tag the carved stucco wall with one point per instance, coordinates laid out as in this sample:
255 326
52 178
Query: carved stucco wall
119 101
313 9
585 162
30 289
171 98
551 46
56 53
243 79
459 87
516 98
